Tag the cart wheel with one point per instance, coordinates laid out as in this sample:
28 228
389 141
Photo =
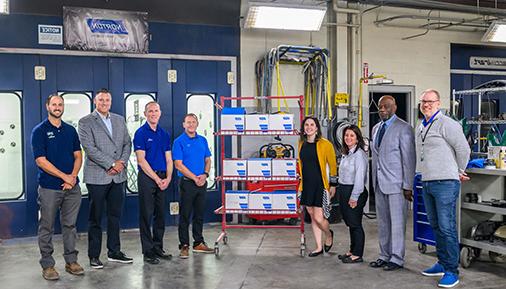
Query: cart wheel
225 239
422 248
293 221
496 257
216 249
476 253
466 257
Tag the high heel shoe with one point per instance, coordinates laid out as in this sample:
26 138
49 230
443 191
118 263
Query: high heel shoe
327 248
314 254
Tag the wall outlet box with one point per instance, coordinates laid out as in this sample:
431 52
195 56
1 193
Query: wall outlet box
233 122
236 200
259 167
234 168
172 76
284 167
284 200
259 201
281 122
259 122
174 208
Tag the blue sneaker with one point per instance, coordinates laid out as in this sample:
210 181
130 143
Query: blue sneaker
449 280
436 270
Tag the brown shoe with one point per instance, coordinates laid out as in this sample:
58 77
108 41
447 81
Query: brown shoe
185 252
74 268
202 248
50 273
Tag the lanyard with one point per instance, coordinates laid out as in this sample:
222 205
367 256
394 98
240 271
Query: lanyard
423 137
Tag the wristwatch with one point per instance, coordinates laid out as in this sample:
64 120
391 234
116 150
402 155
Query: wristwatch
112 166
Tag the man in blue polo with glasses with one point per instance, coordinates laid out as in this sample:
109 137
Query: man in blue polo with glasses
442 154
192 159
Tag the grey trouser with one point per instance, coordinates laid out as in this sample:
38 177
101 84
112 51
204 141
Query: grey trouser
49 202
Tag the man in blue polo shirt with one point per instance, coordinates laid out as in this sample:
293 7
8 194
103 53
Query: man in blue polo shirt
192 159
152 148
57 153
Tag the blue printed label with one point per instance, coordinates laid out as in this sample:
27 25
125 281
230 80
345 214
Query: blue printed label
106 26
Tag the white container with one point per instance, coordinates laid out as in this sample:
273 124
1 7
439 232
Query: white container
258 122
236 200
259 167
284 167
281 122
259 201
234 168
284 200
233 122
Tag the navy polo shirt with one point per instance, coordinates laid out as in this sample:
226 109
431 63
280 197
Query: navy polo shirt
58 145
192 151
155 144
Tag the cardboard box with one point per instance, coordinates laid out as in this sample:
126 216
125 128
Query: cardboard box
259 167
284 200
257 122
233 122
236 200
281 122
259 201
284 167
234 168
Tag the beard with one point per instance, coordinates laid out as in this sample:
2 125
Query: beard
54 115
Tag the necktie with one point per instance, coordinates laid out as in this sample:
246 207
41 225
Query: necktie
381 133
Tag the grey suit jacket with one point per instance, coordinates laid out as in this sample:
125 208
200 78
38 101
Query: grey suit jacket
102 149
394 162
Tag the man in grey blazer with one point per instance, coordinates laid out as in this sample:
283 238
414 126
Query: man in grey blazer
393 171
105 140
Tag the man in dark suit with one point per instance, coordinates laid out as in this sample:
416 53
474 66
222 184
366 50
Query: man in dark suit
104 137
393 171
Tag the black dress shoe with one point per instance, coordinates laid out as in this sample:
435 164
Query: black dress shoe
314 254
391 266
162 255
151 259
327 248
378 263
349 260
343 256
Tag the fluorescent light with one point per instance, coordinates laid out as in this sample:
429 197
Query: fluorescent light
270 16
495 33
4 6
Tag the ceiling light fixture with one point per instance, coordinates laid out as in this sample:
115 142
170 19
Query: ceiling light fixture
496 32
284 16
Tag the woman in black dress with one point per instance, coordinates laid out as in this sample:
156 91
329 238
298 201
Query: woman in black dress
315 153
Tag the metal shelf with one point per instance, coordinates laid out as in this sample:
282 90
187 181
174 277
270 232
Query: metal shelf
293 132
254 178
491 172
497 247
293 214
486 122
483 208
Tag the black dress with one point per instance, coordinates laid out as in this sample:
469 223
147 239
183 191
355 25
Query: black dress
312 184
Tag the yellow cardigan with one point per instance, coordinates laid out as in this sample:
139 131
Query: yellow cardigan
326 155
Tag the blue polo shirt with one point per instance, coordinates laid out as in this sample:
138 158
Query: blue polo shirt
155 144
192 151
58 145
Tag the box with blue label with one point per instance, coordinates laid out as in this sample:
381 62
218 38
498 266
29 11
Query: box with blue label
257 122
259 167
281 122
284 167
234 168
284 200
259 201
236 200
233 122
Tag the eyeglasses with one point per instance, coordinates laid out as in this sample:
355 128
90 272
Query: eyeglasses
431 102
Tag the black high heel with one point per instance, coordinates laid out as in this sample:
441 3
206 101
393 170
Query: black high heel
327 248
314 254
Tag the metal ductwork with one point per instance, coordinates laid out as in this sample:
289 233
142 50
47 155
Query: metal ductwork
436 5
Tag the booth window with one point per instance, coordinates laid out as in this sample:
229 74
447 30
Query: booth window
11 147
77 105
134 115
202 105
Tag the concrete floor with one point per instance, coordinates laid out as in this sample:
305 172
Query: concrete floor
254 258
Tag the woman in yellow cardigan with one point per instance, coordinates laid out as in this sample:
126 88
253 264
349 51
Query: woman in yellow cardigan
315 153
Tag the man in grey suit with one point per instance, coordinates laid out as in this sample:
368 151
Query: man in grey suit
104 137
393 171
